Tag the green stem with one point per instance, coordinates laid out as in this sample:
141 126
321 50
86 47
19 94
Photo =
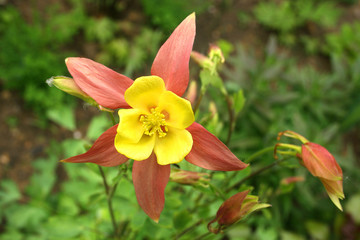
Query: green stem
188 229
231 117
217 191
196 107
239 183
203 236
259 153
252 157
291 146
109 194
112 118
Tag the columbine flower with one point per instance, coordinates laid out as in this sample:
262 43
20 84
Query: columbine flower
234 209
320 163
157 126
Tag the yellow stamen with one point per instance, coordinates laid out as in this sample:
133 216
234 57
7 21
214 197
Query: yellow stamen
154 123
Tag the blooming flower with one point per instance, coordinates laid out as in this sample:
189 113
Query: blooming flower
320 163
156 126
234 209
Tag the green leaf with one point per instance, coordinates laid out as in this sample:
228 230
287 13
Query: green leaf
239 101
11 235
62 115
67 205
25 216
207 78
41 184
317 230
73 147
182 219
102 29
352 118
353 207
9 193
63 227
97 126
137 222
226 47
285 235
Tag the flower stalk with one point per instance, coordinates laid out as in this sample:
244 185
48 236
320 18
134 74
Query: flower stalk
109 194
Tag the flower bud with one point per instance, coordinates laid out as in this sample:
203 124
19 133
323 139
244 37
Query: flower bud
191 92
234 209
290 180
323 165
69 86
188 177
202 60
215 54
320 163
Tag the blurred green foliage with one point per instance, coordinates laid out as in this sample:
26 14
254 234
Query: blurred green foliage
31 53
345 43
168 14
288 16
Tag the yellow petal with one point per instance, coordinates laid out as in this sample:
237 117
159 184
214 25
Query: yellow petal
173 147
178 112
144 92
137 151
130 126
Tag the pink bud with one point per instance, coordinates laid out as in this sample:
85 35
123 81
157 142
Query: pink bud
323 165
234 209
215 54
191 92
289 180
201 59
188 177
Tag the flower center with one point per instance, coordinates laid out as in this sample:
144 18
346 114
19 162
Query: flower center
154 123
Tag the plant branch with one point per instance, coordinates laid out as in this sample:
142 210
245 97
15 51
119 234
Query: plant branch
112 118
109 194
186 230
196 107
239 183
231 117
251 158
203 236
259 153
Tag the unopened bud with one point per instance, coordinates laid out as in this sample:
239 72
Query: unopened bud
191 92
290 180
213 108
215 54
319 161
202 60
323 165
69 86
234 209
188 177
